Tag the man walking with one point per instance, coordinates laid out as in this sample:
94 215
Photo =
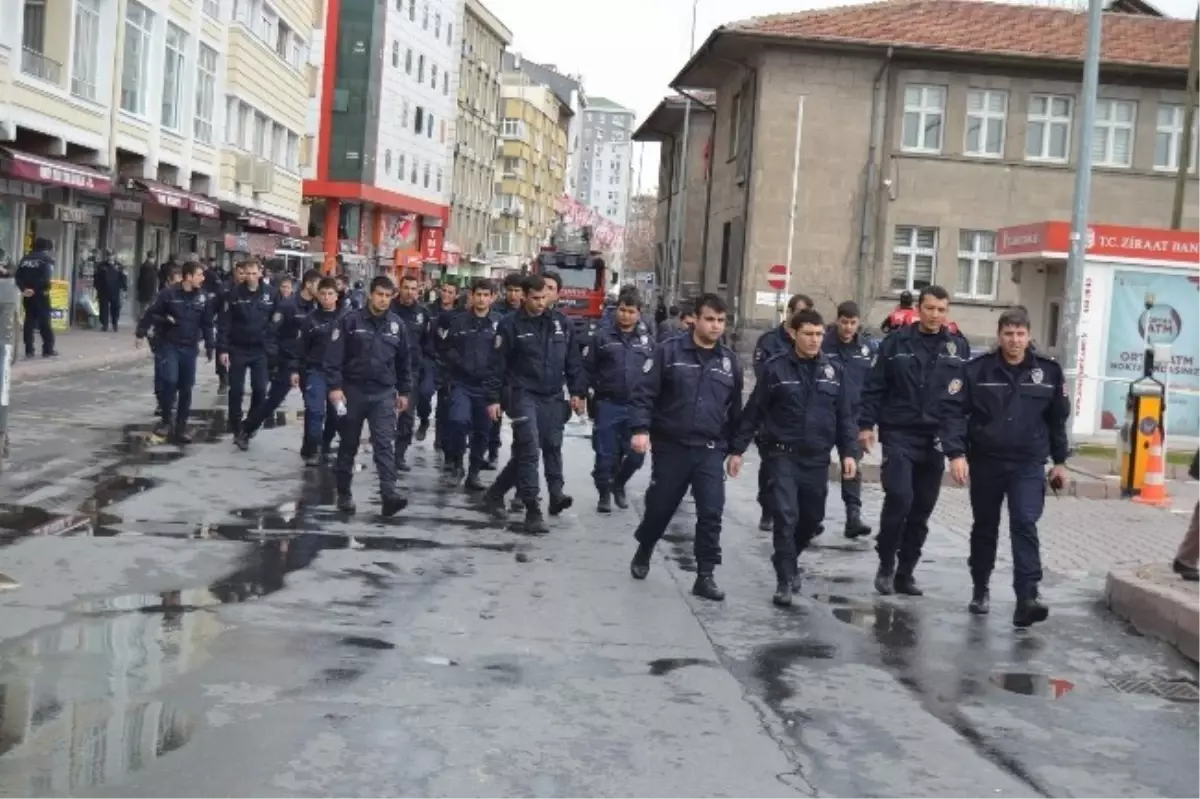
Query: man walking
34 275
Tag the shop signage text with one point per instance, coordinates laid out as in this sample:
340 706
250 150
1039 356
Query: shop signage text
78 216
431 244
1053 240
20 188
124 207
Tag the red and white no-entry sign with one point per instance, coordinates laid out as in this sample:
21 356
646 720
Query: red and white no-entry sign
777 279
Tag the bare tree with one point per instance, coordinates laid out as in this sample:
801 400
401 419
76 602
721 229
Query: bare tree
639 234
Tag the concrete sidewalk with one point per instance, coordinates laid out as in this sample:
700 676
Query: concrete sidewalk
80 351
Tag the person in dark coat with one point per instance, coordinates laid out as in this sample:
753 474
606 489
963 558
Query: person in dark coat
147 283
110 283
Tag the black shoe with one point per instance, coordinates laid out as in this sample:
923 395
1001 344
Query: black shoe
162 430
639 567
104 329
222 386
535 522
604 503
783 593
402 461
393 504
884 579
820 529
855 527
242 441
765 523
473 483
489 465
797 582
1185 571
493 505
182 436
905 584
345 503
50 354
516 505
326 454
452 473
559 503
1029 612
705 587
619 498
312 459
422 430
30 354
981 601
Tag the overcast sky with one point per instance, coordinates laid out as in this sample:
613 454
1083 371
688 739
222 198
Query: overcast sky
629 50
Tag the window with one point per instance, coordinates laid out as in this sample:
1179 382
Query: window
135 68
450 33
976 264
425 17
86 49
395 53
400 166
246 127
429 124
173 76
445 82
279 144
426 174
408 61
232 136
726 237
1048 128
418 119
404 115
986 112
914 257
213 8
735 124
437 26
1168 139
412 175
1112 136
387 162
283 40
421 69
299 52
265 24
33 28
433 75
924 112
262 136
400 7
510 127
438 185
206 87
293 152
412 11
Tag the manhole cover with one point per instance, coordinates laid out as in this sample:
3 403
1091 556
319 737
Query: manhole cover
1172 690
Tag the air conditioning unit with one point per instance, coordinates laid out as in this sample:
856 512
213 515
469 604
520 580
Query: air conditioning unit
264 176
243 168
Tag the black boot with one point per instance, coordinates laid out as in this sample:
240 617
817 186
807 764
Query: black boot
906 585
765 523
559 502
493 504
639 567
1030 611
401 460
619 498
422 430
604 503
796 581
785 585
181 435
453 472
242 441
705 587
490 464
162 429
473 482
980 603
393 503
345 502
884 579
854 525
535 522
516 505
1185 571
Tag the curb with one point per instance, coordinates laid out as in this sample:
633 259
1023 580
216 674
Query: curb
1157 603
1083 489
65 365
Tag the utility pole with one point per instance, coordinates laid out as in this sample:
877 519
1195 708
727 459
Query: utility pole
1189 124
681 201
1069 326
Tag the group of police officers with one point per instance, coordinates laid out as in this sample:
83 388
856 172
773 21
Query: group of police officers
676 391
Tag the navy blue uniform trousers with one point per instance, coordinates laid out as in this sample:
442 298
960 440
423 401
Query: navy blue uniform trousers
1023 484
467 420
241 363
674 468
377 410
616 461
911 476
796 488
177 374
537 424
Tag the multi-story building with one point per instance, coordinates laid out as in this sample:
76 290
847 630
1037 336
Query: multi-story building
114 120
570 92
926 126
382 116
531 162
606 165
484 39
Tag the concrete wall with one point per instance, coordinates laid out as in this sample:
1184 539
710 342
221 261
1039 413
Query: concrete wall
691 278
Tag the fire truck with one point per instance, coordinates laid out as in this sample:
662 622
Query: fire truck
584 275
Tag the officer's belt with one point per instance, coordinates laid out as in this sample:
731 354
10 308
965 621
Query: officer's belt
613 397
790 449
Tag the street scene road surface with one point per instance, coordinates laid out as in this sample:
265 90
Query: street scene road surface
202 622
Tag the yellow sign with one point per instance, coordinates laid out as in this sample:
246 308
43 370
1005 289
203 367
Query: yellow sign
60 304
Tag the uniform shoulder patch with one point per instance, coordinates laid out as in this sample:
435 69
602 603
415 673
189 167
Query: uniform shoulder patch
585 351
648 365
955 386
335 334
277 317
499 342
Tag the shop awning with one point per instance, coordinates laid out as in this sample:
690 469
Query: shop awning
171 197
39 169
257 219
1051 241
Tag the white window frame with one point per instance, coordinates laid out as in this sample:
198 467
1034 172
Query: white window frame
1106 128
972 258
279 145
1173 130
174 55
85 49
213 8
924 109
293 152
510 126
911 251
1048 121
986 118
135 66
206 93
232 134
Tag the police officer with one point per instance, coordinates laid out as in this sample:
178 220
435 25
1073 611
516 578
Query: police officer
368 370
283 367
534 357
911 393
683 322
1017 409
513 293
181 317
688 404
414 315
847 346
613 362
771 343
246 342
154 338
34 274
110 283
801 407
466 356
320 418
437 327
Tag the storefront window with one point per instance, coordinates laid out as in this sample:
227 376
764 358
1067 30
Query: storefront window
185 245
10 243
124 241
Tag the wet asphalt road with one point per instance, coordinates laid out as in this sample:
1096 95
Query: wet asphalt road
206 624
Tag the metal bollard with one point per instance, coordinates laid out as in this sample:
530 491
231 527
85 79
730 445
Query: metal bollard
10 297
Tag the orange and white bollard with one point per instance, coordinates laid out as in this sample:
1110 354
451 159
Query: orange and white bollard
1154 489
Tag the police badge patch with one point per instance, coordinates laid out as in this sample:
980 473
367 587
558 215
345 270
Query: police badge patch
277 317
334 335
726 365
955 386
866 350
420 319
952 349
395 328
499 342
1036 377
645 340
442 333
647 366
828 372
585 352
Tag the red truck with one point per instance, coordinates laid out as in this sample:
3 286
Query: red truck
585 282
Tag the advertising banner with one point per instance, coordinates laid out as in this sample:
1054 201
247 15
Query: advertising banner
1174 320
60 304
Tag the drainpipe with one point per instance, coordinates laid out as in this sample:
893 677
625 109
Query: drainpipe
862 289
739 318
665 267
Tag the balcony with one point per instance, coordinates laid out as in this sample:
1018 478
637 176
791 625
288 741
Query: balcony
39 66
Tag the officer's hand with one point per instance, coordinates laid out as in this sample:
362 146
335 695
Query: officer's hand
958 470
849 468
295 380
223 359
494 412
336 396
866 440
640 443
27 293
1057 477
579 405
733 465
401 403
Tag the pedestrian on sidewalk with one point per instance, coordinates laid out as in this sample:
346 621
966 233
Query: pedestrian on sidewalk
147 284
111 284
34 274
848 345
1188 556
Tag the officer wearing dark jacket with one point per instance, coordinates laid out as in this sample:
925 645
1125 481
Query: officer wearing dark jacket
246 341
800 408
147 282
415 316
613 362
438 316
368 370
284 369
34 274
1016 410
320 418
466 357
771 343
513 294
847 346
688 404
110 282
181 318
534 356
912 394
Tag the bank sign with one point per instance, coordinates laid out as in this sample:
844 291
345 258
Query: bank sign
1173 320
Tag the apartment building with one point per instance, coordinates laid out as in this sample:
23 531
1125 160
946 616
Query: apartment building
383 120
605 176
570 92
926 126
484 39
531 162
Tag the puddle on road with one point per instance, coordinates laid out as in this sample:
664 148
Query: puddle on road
833 599
362 642
1032 684
667 665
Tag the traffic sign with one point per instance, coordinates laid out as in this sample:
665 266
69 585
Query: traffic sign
778 277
